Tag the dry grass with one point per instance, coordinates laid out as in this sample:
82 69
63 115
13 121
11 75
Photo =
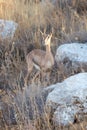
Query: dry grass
66 21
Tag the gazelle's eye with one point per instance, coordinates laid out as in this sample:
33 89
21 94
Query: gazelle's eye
48 36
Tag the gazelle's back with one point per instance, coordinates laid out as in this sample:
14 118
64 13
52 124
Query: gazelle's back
40 58
36 56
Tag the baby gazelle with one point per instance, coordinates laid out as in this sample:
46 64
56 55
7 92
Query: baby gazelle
41 60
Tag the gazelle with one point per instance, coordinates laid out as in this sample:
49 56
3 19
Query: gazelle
41 60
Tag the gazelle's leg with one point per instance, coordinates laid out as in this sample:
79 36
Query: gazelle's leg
45 77
26 79
35 76
43 74
30 68
48 77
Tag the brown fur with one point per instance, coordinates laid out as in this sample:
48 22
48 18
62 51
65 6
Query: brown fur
43 59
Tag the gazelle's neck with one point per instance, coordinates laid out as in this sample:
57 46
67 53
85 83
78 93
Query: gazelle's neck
48 49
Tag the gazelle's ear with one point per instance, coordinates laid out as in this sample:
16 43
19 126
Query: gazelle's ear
46 39
50 35
43 33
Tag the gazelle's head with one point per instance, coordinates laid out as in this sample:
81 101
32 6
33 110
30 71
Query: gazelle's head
48 39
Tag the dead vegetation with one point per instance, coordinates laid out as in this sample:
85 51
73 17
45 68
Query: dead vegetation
67 22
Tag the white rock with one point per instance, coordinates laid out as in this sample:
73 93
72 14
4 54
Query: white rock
67 98
72 56
7 29
65 115
74 51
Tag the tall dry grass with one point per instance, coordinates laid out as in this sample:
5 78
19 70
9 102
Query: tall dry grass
63 19
66 21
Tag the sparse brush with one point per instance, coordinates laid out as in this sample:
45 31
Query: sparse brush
66 21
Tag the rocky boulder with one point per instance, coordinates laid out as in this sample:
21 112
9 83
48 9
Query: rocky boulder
7 29
72 58
67 101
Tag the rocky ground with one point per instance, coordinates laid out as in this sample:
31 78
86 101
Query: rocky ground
60 103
